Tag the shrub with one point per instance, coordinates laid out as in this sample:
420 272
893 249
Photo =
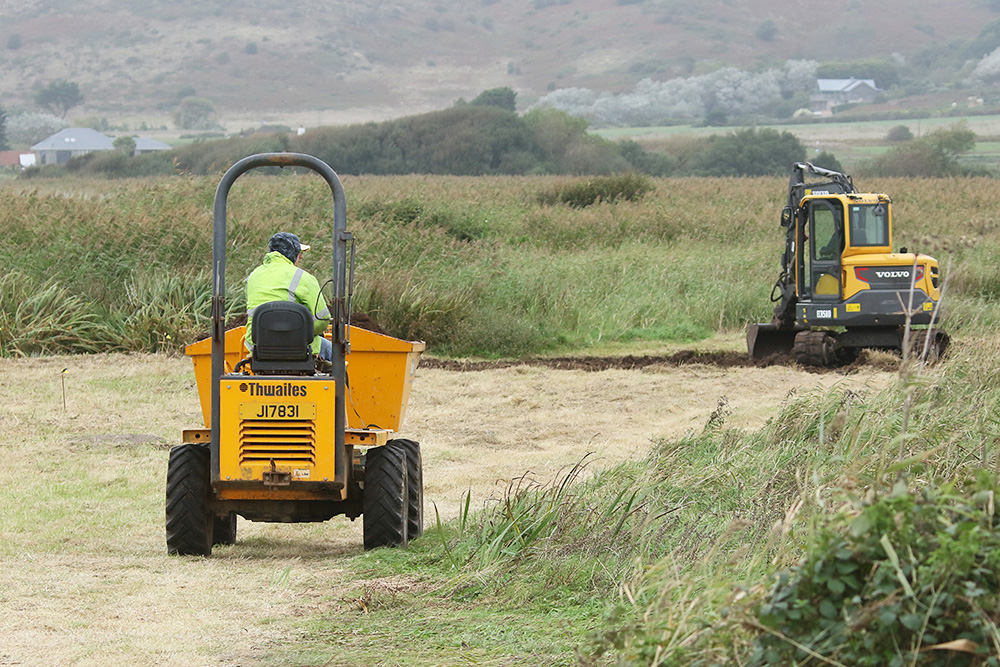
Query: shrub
748 152
113 164
828 160
504 98
934 155
899 133
466 140
565 146
125 144
609 189
654 164
767 31
912 577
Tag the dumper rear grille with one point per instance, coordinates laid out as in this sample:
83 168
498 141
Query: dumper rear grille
292 442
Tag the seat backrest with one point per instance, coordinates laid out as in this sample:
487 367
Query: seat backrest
282 336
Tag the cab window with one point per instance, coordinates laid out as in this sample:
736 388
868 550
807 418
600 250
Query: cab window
869 225
825 238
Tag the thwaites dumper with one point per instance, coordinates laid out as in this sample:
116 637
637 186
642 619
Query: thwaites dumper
841 287
283 441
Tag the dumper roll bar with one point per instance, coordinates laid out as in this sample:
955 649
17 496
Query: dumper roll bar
341 238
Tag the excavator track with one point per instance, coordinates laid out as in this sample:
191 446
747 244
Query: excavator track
815 348
929 345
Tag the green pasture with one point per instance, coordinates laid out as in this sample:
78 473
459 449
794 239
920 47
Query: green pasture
851 142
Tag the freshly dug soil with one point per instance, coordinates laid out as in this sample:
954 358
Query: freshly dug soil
629 362
365 321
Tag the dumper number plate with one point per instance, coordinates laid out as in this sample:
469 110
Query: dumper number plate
277 410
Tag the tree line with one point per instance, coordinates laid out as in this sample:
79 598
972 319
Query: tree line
483 137
488 137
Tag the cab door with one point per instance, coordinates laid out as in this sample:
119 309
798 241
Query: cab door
825 223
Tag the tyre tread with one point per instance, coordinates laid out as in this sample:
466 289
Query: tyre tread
414 485
189 526
385 498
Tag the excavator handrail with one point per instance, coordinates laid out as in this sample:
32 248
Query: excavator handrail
797 183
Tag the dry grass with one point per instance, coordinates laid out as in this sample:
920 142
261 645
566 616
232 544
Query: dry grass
81 530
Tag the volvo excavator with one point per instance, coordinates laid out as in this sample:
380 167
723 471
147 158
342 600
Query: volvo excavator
841 287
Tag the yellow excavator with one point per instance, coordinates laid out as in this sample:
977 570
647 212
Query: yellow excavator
841 287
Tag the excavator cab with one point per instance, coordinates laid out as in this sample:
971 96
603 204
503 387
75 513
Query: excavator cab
820 266
842 288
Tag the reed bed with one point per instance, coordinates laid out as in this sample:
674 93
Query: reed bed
475 266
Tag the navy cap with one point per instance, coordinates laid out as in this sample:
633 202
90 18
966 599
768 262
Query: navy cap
287 244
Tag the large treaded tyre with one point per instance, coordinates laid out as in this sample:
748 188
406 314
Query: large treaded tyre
189 522
386 497
414 484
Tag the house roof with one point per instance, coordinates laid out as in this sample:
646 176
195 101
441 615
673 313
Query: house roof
86 139
843 85
146 144
75 139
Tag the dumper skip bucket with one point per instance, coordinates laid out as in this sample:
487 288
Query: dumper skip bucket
380 371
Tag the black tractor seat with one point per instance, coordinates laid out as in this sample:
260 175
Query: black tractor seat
282 339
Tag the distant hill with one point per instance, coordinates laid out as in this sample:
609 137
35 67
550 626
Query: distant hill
318 62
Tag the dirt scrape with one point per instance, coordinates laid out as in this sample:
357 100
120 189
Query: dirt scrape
630 362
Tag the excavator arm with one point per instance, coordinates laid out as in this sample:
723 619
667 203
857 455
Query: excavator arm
806 178
778 335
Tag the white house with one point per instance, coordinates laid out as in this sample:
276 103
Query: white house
830 93
75 141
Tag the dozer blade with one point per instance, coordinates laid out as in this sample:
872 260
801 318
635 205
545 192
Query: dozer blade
766 339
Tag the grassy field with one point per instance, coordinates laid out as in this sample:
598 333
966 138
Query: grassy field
706 485
81 531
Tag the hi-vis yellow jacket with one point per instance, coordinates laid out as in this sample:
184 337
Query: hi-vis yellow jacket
278 279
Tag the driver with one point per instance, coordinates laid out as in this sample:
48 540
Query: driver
279 278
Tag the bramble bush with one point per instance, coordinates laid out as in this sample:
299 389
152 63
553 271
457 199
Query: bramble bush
910 579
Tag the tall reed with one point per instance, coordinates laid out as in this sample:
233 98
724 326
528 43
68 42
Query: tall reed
476 266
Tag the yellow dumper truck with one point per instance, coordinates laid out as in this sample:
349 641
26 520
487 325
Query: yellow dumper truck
284 441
